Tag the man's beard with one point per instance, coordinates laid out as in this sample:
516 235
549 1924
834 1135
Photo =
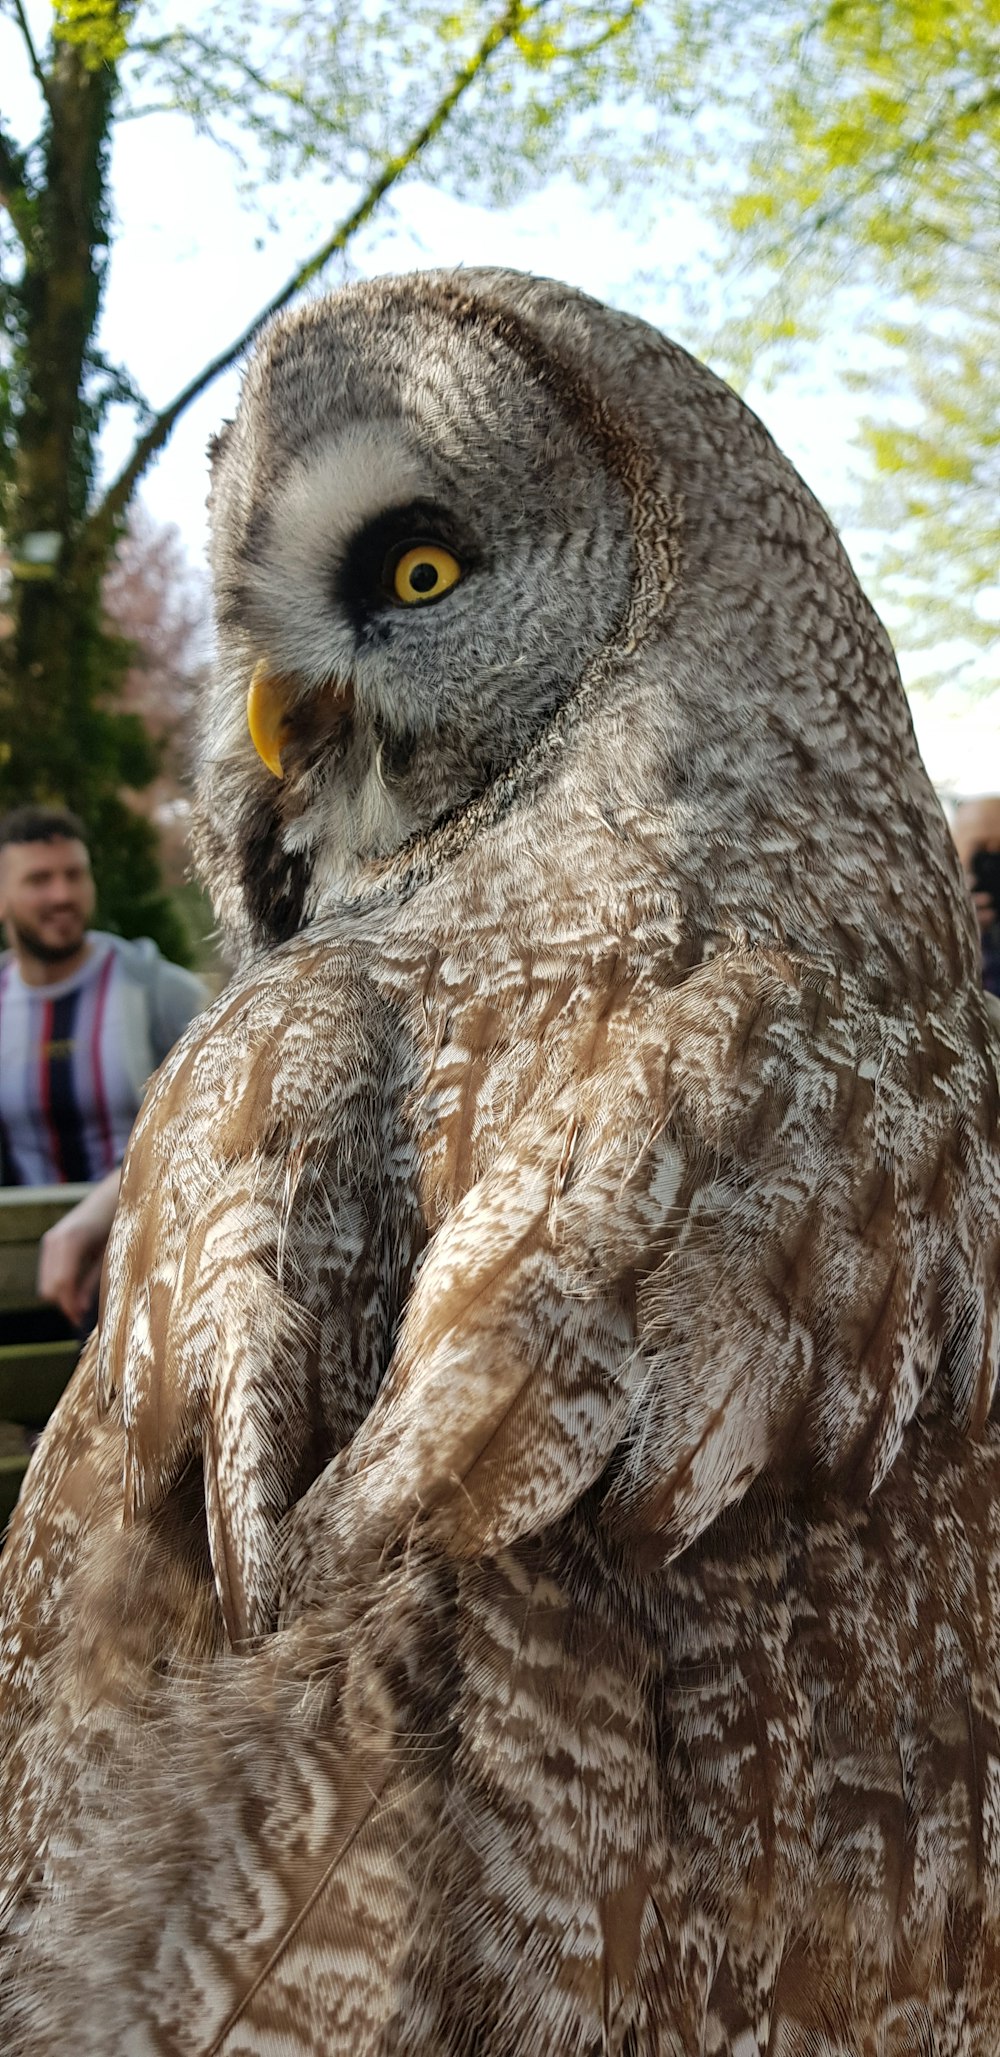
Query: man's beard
42 951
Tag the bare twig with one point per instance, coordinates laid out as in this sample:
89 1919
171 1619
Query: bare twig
184 39
577 52
40 79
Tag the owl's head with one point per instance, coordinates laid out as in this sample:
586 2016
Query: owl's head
421 541
460 514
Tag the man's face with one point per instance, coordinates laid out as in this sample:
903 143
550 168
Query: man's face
47 897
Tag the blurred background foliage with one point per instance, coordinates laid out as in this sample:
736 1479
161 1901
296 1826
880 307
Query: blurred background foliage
846 155
859 188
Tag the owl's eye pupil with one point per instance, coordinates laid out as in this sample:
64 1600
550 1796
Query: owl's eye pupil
424 578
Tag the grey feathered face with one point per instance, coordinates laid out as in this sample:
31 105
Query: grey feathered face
418 547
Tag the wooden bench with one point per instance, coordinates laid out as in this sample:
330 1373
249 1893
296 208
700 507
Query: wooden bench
37 1348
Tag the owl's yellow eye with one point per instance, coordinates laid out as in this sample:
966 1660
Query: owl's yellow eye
424 573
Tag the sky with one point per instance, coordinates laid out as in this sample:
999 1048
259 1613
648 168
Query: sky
197 269
193 264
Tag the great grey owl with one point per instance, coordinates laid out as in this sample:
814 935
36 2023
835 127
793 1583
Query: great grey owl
520 1572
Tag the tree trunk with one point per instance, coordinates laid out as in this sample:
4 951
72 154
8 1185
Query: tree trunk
62 736
52 657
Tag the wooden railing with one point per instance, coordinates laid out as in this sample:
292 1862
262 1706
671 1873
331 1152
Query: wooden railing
37 1349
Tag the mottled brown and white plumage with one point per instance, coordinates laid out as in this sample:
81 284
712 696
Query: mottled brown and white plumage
519 1572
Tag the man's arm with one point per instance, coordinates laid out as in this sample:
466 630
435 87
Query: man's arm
71 1253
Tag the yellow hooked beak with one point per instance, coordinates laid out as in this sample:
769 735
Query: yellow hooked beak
267 720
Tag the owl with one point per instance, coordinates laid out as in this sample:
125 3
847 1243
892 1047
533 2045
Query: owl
518 1570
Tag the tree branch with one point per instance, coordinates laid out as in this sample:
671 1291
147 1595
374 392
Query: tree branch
182 39
40 79
119 493
577 52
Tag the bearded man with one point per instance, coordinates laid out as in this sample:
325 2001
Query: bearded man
85 1017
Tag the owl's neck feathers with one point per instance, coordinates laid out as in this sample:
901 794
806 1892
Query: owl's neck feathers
623 814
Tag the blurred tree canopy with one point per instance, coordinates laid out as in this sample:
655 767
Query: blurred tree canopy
860 188
850 151
481 97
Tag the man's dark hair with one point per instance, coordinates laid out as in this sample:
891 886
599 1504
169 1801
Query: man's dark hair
40 825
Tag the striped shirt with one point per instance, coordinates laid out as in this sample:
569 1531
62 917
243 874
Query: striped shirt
74 1060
